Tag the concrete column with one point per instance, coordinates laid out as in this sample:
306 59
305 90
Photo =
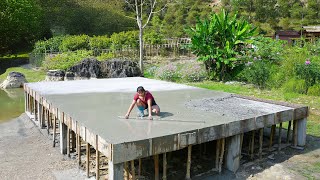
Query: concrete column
302 131
232 161
63 137
115 171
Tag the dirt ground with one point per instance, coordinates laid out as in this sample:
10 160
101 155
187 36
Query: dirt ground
26 153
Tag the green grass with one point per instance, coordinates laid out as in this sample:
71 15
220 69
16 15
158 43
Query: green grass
31 75
313 125
21 55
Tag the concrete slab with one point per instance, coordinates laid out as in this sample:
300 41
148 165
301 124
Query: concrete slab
189 115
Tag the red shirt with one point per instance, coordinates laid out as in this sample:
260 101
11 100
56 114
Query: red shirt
147 96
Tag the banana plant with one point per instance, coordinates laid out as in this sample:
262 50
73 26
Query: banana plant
219 40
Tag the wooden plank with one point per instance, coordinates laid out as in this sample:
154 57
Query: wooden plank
133 170
164 176
97 159
279 140
221 154
189 162
218 144
88 160
54 130
273 127
156 167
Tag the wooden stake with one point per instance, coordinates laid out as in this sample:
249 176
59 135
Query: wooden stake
97 159
88 159
68 141
139 170
271 135
133 170
54 130
288 132
164 177
279 140
221 155
126 171
252 144
217 153
260 142
156 167
295 132
73 141
79 149
241 142
189 162
48 121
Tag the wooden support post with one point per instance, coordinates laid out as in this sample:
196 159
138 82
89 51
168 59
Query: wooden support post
79 149
294 135
156 167
301 132
288 132
189 162
73 141
97 159
68 142
241 142
273 127
217 153
133 170
221 154
260 142
164 177
126 171
48 121
54 130
252 144
88 160
43 117
279 140
139 170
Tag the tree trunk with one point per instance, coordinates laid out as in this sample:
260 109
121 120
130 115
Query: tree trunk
141 49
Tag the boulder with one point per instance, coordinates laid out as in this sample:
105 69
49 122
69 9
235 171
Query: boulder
86 69
55 75
69 76
14 80
116 68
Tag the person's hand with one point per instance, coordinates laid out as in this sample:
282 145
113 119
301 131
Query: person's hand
150 117
126 116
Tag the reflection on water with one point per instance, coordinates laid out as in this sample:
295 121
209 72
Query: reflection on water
11 104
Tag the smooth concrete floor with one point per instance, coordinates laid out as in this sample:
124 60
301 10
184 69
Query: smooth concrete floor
98 103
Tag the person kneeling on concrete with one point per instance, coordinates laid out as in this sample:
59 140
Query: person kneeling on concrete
144 100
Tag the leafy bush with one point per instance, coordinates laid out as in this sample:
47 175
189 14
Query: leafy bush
73 43
151 71
105 56
308 71
168 72
314 90
124 39
193 73
257 73
268 49
65 60
51 45
99 42
295 85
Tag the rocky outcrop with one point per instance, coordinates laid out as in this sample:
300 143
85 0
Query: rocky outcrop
55 75
14 80
119 69
92 68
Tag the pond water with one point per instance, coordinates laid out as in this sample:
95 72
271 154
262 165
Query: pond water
11 104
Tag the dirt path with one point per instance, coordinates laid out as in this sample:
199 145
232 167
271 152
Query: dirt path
27 154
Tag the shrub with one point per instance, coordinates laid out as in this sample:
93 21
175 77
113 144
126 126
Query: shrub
314 90
51 45
65 60
99 42
257 73
151 71
124 39
295 85
168 72
193 73
105 56
308 71
73 43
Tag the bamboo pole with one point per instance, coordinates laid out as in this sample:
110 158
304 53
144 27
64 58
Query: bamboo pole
79 149
88 160
252 144
279 140
133 170
164 177
260 143
139 170
271 135
288 132
156 167
217 153
97 159
126 171
189 162
68 141
221 155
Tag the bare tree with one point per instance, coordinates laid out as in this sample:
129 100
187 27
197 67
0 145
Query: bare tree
143 8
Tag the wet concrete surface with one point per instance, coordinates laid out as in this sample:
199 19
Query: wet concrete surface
96 104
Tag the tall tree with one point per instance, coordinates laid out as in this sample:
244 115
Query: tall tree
21 24
143 10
